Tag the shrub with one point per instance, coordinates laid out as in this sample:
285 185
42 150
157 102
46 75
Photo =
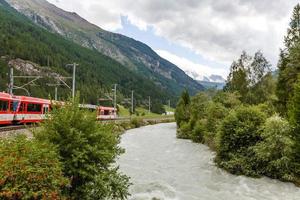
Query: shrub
137 113
198 131
88 150
274 152
228 99
158 108
185 131
267 108
198 106
126 125
215 113
239 131
209 139
30 170
136 122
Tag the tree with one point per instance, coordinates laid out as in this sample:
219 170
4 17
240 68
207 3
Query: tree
293 32
198 106
182 112
239 132
259 68
157 107
30 169
281 87
274 152
237 80
294 118
88 151
289 62
249 76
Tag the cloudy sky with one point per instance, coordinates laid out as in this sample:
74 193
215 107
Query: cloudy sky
197 35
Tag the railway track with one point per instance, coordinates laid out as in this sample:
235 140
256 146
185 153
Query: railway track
14 128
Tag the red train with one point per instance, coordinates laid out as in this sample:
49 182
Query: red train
22 109
106 113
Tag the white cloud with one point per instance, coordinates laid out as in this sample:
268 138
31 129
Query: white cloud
197 71
216 29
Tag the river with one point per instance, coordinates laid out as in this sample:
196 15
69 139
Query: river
162 167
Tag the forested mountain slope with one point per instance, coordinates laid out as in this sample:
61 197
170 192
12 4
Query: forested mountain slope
133 54
20 38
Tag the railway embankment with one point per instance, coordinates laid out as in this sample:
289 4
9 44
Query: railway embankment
121 125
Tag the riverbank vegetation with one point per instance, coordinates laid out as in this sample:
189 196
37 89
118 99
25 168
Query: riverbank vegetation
253 124
71 156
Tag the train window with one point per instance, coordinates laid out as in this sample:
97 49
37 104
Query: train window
22 107
106 112
15 105
46 110
34 107
3 105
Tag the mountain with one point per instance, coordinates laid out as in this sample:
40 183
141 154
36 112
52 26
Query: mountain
133 54
212 81
198 77
20 38
216 79
215 85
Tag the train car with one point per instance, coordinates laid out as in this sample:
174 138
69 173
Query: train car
30 109
106 113
6 109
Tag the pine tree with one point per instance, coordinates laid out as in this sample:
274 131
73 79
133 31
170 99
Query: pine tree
294 118
293 33
182 113
288 70
281 82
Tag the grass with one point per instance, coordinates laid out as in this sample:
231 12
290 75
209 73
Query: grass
142 113
169 109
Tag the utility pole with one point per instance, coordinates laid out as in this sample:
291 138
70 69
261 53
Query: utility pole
115 96
55 88
169 103
11 80
149 104
74 78
55 96
11 85
132 101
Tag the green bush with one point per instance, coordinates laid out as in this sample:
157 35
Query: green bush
215 113
274 152
198 106
238 133
228 99
185 131
267 108
158 108
136 122
137 113
126 125
88 151
198 131
30 169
